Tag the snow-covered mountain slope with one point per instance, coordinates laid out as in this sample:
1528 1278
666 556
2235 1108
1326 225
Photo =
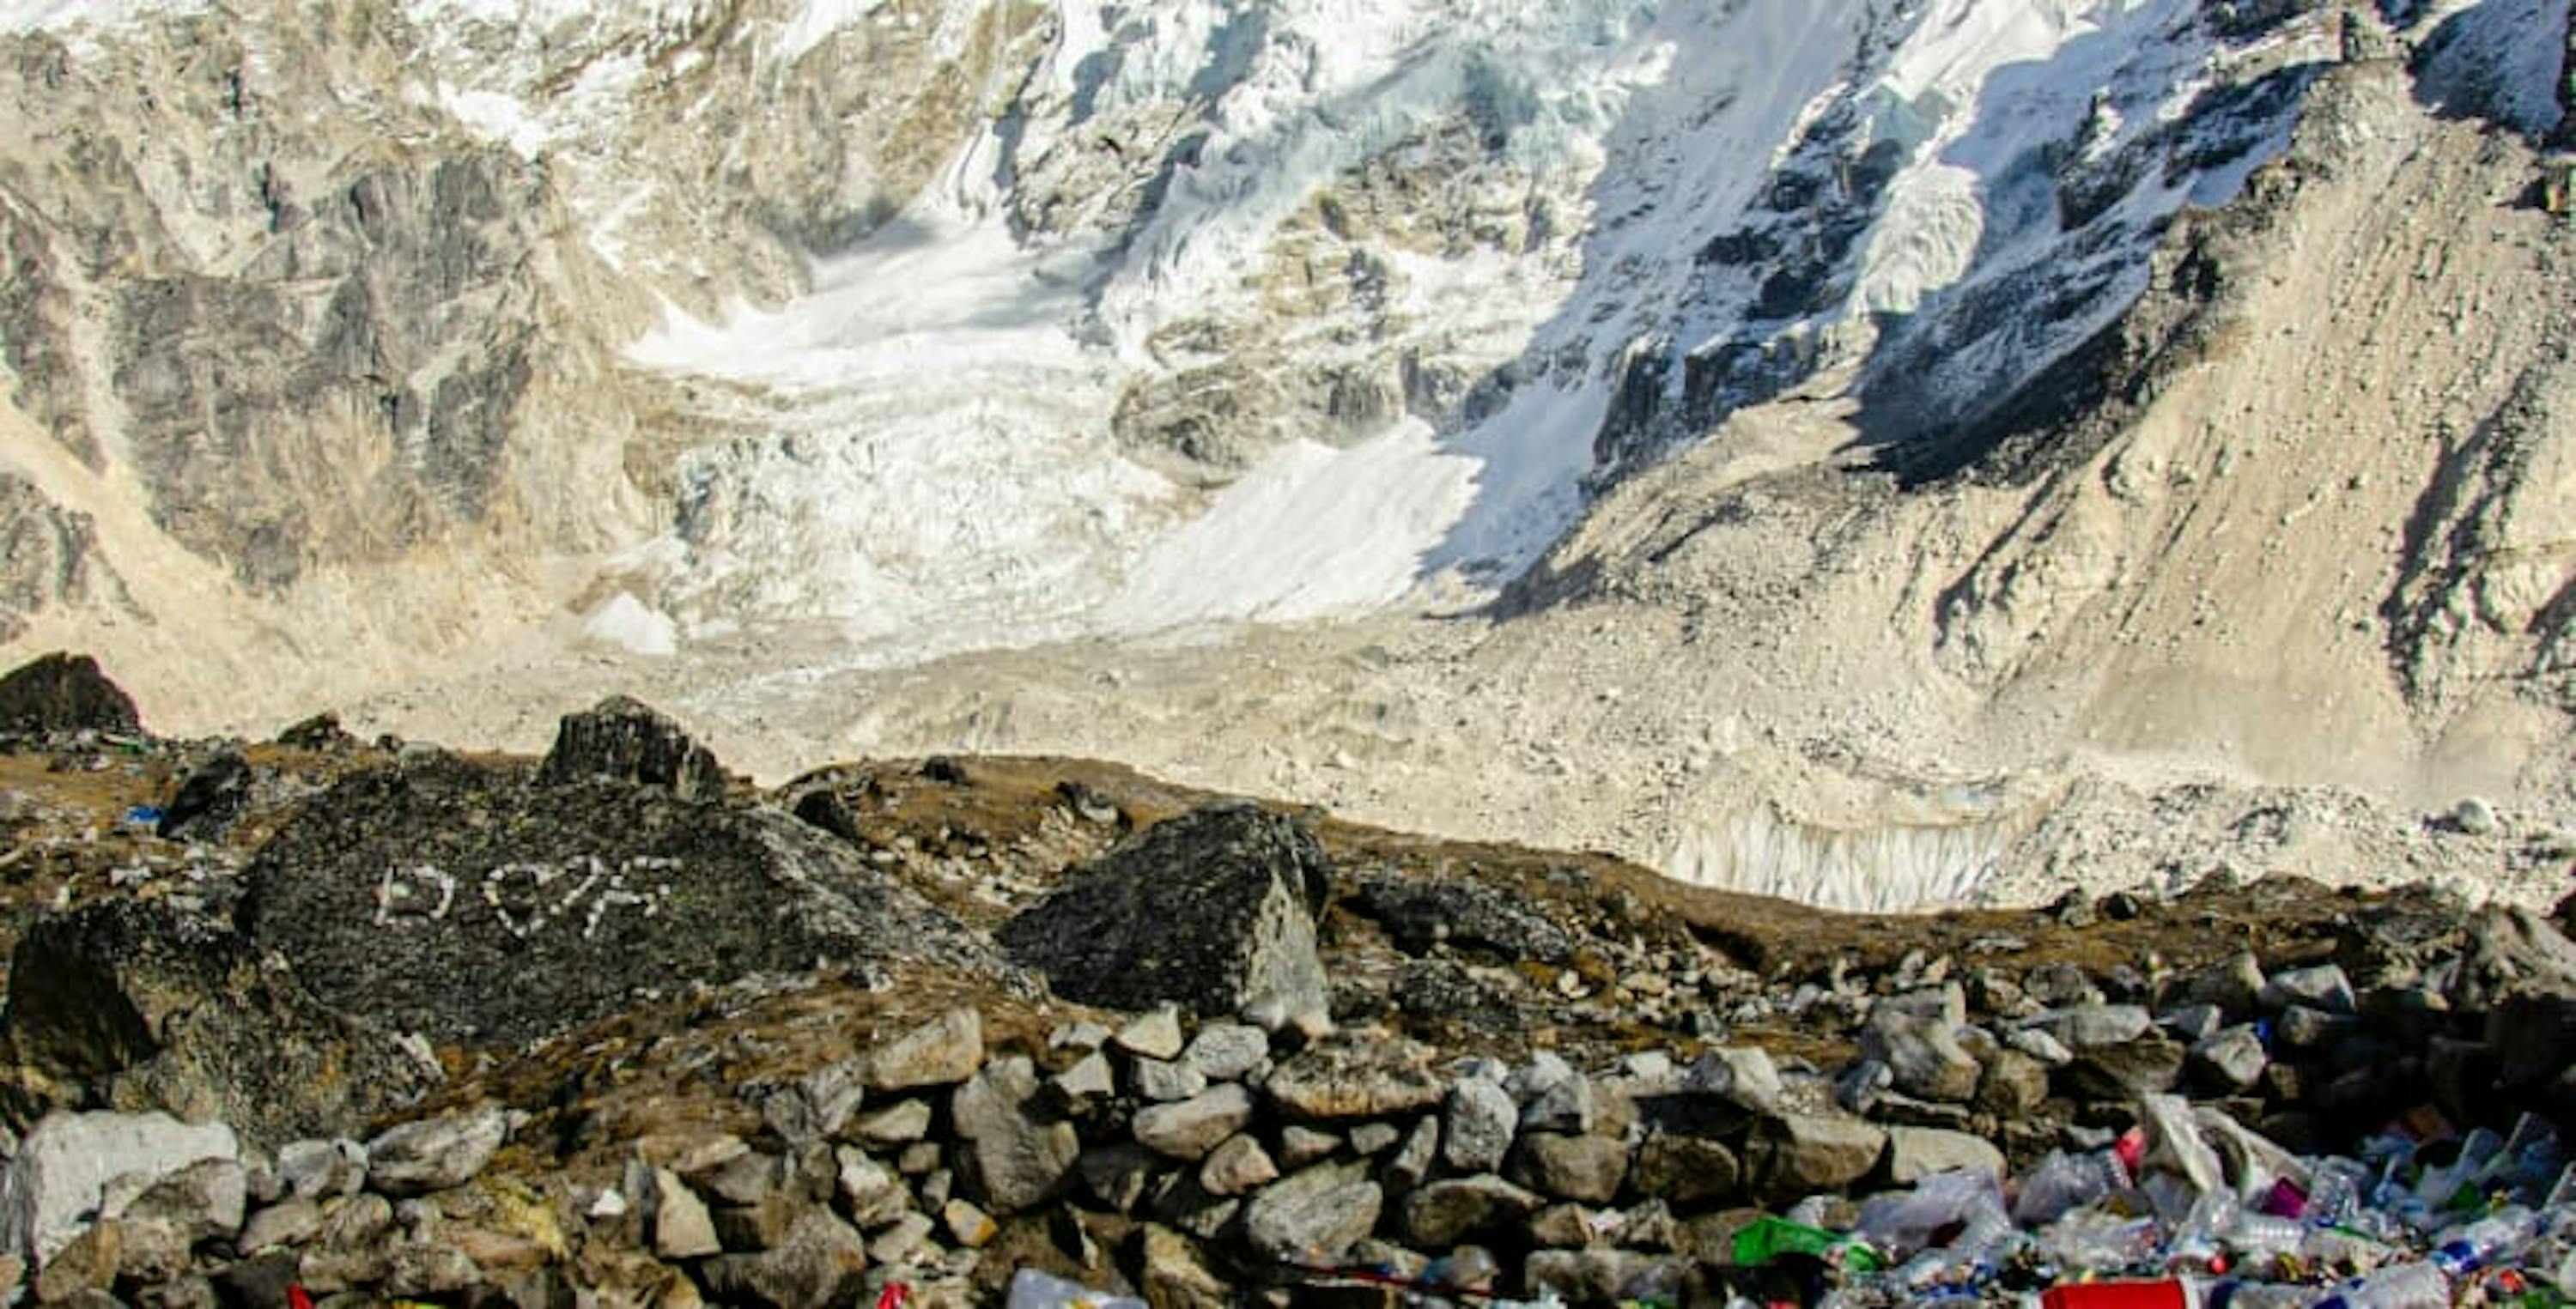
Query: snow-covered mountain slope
988 322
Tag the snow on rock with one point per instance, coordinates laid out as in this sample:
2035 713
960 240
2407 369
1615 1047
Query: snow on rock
52 1189
626 623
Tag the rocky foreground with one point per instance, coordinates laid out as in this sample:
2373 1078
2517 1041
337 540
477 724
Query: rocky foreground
354 1022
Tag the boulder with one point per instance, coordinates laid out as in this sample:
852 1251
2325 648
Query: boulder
1215 910
2323 987
1236 1166
1348 1076
1479 1121
941 1052
629 741
2232 1058
1914 1153
1794 1155
59 1176
1923 1052
436 1154
209 798
64 693
2012 1085
1154 1034
2125 1070
1583 1168
1015 1159
204 1201
1191 1128
1419 913
1600 1275
2084 1027
1741 1075
1321 1211
2511 952
1686 1170
822 1262
458 900
1443 1214
682 1227
140 1006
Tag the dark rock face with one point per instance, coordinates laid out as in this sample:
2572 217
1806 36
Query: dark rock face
64 693
136 1005
209 798
1418 912
1214 910
465 902
628 740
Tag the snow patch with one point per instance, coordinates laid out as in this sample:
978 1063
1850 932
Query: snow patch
626 623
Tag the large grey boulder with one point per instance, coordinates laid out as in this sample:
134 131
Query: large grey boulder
435 1154
625 739
137 1005
1321 1211
463 901
1801 1154
1215 910
1014 1156
1923 1052
1351 1075
60 1174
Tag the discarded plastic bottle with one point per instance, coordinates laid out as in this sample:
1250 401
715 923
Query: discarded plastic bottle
2063 1182
2403 1286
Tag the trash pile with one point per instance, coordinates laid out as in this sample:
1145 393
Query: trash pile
2190 1210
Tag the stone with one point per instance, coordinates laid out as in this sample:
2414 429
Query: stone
1442 1214
1420 913
2012 1085
417 1270
1794 1155
871 1196
1741 1075
1227 1051
149 1005
906 1242
2234 985
1914 1153
1478 1123
1092 1077
61 1171
1117 1175
1161 1082
1588 1169
2474 816
2192 1022
817 1106
88 1262
2085 1027
1176 1273
1214 910
416 897
63 693
317 1169
1348 1076
1237 1166
760 1224
2301 1027
1564 1105
1300 1146
1599 1275
2039 1045
1189 1129
2147 1064
1565 1226
1154 1034
205 1200
629 741
293 1221
1922 1052
2510 953
208 799
1015 1160
1686 1170
944 1051
967 1225
2321 987
2231 1059
436 1154
1412 1163
682 1227
257 1282
821 1263
1320 1211
1373 1139
897 1124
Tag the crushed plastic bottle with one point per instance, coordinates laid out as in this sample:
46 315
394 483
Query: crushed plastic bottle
2400 1286
1031 1289
2063 1182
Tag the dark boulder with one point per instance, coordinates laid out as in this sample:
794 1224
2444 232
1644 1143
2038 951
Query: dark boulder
627 740
64 693
321 732
467 902
1215 909
209 798
1417 912
135 1005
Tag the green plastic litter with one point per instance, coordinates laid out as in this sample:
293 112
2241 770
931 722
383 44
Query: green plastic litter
1767 1238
